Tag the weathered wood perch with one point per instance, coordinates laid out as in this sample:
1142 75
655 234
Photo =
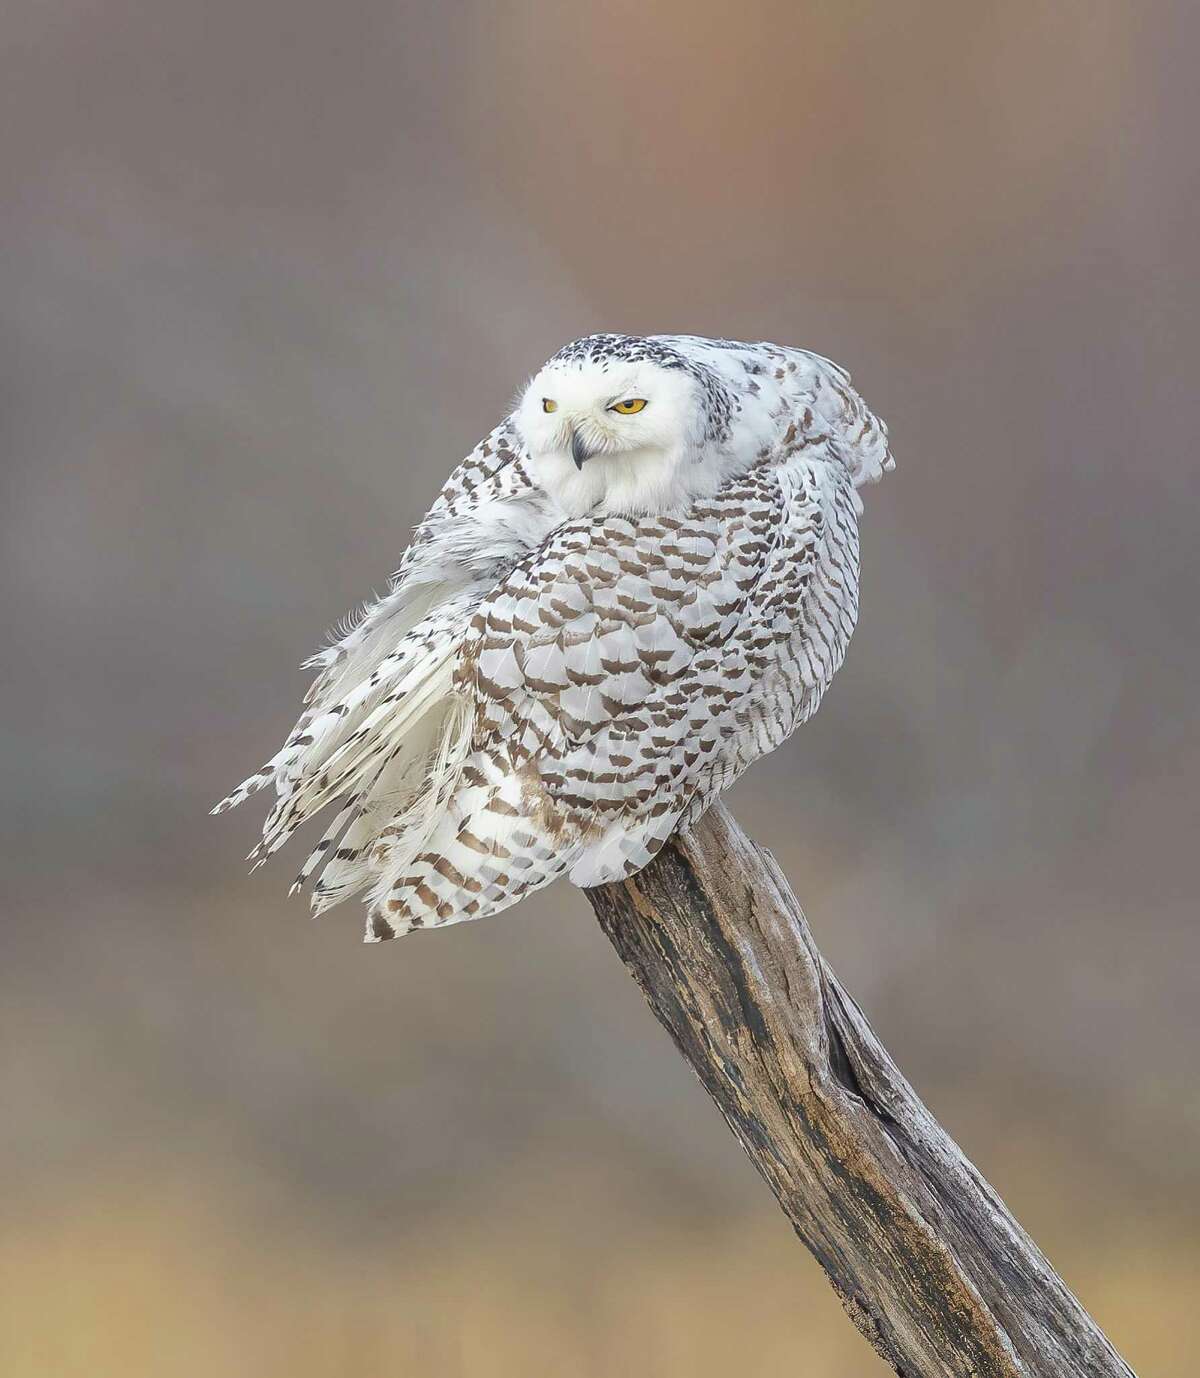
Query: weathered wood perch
925 1257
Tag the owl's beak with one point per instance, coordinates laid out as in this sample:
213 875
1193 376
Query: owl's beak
579 450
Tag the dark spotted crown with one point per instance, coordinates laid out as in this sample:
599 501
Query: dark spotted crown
605 350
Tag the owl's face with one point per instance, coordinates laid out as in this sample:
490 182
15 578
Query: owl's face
612 434
594 411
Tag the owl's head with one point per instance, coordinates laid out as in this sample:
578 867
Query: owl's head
621 423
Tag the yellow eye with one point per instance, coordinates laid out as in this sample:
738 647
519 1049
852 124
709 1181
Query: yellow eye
630 406
549 404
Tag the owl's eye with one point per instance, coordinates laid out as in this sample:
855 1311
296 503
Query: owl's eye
549 404
630 406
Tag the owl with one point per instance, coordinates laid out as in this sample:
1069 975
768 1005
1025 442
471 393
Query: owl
640 582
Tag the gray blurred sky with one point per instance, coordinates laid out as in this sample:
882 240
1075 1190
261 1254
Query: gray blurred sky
268 269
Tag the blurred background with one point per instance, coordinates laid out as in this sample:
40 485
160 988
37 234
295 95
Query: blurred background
267 270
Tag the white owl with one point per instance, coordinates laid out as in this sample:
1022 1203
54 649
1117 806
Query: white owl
640 582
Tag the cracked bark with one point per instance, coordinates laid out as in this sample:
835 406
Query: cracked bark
928 1262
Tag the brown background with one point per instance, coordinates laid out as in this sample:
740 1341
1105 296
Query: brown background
267 269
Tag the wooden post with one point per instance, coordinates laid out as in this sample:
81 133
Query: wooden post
926 1259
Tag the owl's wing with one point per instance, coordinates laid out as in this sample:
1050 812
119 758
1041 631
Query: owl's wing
630 661
389 669
447 551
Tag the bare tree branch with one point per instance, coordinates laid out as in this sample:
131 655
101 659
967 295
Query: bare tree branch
926 1259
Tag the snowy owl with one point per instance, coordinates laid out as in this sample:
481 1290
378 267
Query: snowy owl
640 582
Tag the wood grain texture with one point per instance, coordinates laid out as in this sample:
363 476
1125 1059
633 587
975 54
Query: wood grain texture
928 1262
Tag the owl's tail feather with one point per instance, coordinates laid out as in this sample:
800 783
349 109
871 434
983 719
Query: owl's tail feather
357 673
480 854
385 736
400 812
367 749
